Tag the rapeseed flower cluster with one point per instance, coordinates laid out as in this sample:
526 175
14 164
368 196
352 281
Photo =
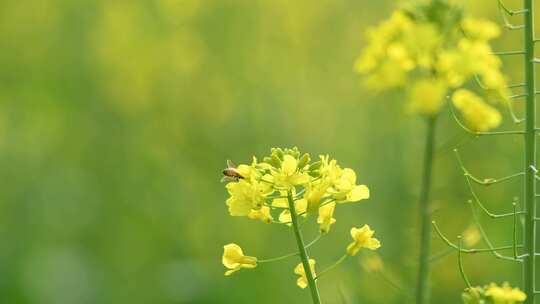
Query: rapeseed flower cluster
493 294
268 190
432 50
262 188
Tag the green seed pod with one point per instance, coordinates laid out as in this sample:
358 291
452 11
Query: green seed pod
315 166
315 173
276 162
294 152
304 160
278 153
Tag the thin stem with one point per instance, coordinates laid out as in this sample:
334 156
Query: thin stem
516 96
508 53
290 254
283 257
514 234
339 261
510 12
503 11
460 264
393 283
491 181
422 287
530 156
441 255
473 193
486 238
315 240
515 118
303 252
455 247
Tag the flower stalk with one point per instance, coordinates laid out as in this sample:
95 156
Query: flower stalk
423 286
303 251
530 156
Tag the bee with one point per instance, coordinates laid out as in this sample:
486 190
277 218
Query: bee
231 173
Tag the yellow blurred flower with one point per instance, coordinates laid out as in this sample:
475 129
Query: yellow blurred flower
480 29
471 236
473 295
234 259
505 294
493 293
478 115
362 238
426 96
386 62
411 46
372 263
299 270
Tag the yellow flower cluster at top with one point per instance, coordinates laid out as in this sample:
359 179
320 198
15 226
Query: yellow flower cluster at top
262 190
494 294
431 49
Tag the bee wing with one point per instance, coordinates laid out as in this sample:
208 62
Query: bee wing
230 164
226 179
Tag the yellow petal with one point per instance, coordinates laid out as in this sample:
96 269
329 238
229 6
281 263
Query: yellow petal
239 207
349 175
229 272
358 193
232 254
373 244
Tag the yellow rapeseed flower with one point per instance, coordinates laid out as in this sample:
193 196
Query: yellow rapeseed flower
471 236
234 259
299 270
478 115
326 217
427 96
372 263
315 192
480 29
362 238
505 294
300 206
288 174
246 196
415 50
473 295
262 214
345 188
494 294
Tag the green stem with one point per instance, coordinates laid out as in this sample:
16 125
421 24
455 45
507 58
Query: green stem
339 261
530 156
303 252
422 287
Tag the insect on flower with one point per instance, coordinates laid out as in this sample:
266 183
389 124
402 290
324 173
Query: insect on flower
231 173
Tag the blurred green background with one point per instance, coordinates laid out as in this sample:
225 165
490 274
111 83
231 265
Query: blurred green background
117 116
